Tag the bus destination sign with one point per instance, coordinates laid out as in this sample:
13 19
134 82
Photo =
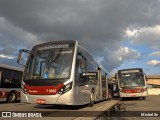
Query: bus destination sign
130 71
90 74
51 46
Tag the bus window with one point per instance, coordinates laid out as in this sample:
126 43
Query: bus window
89 78
50 64
7 75
92 78
80 69
39 67
16 78
42 67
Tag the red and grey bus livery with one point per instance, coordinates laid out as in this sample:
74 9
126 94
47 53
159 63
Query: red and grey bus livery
10 83
63 72
132 83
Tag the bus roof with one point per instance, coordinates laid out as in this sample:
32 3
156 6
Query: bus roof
130 69
55 42
10 67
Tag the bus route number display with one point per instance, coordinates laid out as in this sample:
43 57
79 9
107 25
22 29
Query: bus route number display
130 71
54 46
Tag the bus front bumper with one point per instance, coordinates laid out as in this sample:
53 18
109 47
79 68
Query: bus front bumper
144 94
47 99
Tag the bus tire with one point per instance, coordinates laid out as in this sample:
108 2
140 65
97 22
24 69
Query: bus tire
12 97
91 99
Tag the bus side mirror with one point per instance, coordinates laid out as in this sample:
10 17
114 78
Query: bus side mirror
21 52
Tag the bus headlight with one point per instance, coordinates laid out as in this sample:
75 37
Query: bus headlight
23 89
145 88
65 88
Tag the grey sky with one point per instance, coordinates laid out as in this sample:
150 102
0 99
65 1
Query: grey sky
99 25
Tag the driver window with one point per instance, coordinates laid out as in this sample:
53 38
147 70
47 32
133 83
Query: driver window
79 70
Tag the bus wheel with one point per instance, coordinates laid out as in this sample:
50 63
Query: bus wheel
12 97
91 100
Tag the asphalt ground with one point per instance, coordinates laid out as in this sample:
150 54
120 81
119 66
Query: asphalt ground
55 112
130 109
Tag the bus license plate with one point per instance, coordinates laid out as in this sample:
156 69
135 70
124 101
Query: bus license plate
40 101
133 95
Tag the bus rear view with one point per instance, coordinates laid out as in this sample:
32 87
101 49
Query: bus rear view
132 83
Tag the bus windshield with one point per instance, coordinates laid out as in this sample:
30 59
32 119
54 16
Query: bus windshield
49 64
131 79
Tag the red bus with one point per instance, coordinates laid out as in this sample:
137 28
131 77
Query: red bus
132 83
10 83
